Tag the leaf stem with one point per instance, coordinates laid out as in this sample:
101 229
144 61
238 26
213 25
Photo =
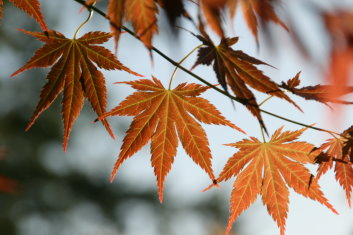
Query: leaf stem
242 101
263 133
261 126
180 62
265 100
89 8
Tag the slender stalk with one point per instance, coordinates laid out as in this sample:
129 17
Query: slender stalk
299 123
265 100
242 101
261 127
89 8
263 134
180 62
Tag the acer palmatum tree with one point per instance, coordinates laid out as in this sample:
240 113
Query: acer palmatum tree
164 115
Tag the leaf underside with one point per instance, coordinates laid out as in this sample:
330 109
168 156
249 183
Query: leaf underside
255 11
162 115
141 13
320 93
74 71
237 70
269 169
32 8
337 152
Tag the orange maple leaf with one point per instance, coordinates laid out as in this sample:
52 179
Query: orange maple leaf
254 10
32 8
141 13
74 73
320 93
338 151
212 11
159 114
269 168
237 70
340 29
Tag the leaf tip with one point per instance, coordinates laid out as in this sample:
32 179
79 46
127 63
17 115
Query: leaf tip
14 74
28 126
160 196
214 184
65 146
112 176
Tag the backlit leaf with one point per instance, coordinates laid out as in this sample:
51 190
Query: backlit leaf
237 70
338 152
32 8
255 11
73 71
159 115
320 93
115 13
141 13
212 10
268 169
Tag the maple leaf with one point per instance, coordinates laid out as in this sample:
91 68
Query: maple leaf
338 152
74 73
212 11
237 70
32 8
159 115
254 9
142 15
173 9
340 30
115 12
268 169
320 93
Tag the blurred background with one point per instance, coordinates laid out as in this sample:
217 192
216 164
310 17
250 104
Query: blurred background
65 193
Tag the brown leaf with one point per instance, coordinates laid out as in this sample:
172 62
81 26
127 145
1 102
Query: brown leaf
320 93
173 9
238 70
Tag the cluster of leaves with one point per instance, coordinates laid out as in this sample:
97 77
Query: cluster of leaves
162 115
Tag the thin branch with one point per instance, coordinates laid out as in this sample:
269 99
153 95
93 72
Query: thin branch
239 100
